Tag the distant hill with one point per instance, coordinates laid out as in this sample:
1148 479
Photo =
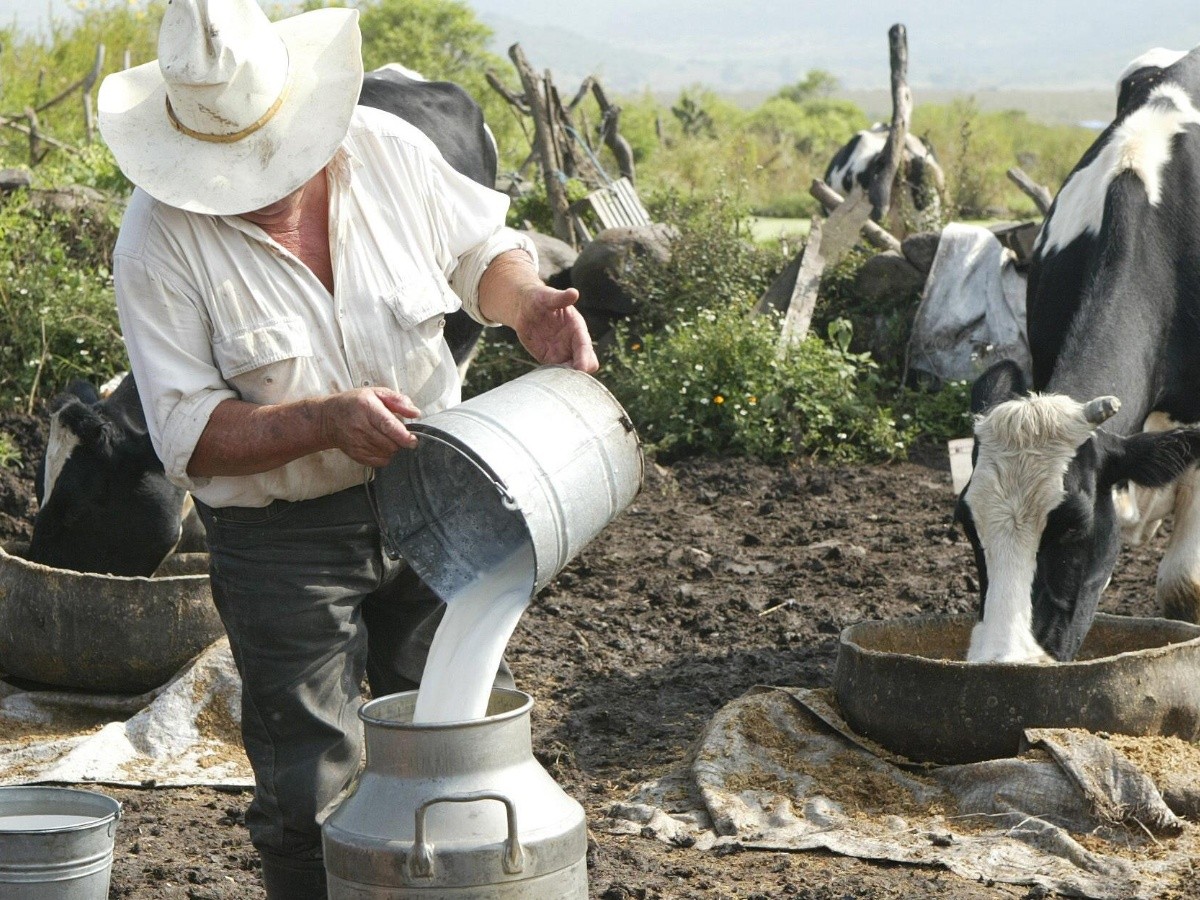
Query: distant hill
759 45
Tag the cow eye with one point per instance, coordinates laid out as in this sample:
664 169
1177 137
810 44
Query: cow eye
1070 523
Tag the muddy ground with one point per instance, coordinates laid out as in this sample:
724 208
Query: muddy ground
722 575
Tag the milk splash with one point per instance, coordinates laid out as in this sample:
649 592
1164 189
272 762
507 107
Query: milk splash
470 641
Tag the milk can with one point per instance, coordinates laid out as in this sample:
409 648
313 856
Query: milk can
455 811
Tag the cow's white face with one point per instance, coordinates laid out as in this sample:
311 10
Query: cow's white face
1024 448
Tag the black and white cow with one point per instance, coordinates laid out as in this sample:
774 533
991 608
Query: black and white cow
857 163
450 118
1142 74
104 504
1113 310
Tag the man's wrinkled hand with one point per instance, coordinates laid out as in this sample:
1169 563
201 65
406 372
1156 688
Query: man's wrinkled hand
367 424
552 330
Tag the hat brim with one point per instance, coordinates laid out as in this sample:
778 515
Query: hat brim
325 75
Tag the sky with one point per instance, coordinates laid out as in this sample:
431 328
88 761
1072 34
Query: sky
760 44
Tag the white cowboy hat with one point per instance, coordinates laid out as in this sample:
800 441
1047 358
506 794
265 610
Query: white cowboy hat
237 112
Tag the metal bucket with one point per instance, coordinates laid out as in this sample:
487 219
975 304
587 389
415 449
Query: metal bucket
459 811
56 843
544 461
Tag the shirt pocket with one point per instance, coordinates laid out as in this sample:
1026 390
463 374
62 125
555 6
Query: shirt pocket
423 300
261 344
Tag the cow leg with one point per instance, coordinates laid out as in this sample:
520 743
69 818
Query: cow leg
1179 571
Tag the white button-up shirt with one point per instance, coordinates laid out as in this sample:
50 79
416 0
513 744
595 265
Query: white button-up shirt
212 308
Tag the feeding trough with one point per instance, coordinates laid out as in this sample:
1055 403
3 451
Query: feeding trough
905 684
120 634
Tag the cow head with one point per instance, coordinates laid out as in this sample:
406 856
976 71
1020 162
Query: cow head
1039 511
105 504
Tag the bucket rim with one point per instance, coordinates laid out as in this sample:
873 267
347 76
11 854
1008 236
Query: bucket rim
365 714
113 815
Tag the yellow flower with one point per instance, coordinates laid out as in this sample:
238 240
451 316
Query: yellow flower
636 347
752 400
718 399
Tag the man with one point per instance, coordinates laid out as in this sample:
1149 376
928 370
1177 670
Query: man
282 275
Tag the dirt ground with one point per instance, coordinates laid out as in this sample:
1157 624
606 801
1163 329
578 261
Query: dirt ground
722 575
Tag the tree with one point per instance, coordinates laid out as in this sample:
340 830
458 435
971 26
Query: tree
441 39
444 41
816 84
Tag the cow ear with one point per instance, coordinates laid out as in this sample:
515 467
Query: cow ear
1003 381
1153 458
79 390
82 420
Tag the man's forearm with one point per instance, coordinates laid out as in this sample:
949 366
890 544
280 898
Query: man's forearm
504 284
246 439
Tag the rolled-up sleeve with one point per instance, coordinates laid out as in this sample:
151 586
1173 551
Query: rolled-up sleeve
470 221
167 338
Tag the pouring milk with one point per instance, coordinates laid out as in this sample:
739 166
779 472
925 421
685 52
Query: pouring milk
470 642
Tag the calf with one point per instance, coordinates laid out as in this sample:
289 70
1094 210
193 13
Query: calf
454 122
104 504
1113 311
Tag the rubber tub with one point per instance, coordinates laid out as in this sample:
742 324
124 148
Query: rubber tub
906 685
105 633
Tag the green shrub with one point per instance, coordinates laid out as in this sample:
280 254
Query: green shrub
36 69
977 148
10 453
935 416
57 315
717 383
714 261
532 209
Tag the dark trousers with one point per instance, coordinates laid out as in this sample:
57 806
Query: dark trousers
312 604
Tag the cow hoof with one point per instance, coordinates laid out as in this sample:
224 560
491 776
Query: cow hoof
1180 601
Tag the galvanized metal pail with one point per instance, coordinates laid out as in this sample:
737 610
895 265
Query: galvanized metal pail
56 843
546 460
459 811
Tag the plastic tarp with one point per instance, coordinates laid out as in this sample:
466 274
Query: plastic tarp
972 312
186 732
778 769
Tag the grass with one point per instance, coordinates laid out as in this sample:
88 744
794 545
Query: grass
767 228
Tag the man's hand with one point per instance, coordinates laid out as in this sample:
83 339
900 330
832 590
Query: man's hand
365 424
552 330
546 320
245 439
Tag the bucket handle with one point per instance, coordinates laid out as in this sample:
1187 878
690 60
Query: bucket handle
421 861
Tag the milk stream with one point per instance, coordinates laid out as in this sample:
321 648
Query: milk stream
470 642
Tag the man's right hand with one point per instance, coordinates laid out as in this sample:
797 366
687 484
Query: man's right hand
366 425
245 439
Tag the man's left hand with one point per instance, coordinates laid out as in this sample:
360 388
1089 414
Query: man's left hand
552 330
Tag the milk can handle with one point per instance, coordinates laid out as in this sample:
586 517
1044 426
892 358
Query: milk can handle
421 860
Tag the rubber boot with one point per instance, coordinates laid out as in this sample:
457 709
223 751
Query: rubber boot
288 878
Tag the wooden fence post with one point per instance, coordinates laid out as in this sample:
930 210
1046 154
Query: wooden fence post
892 155
831 200
543 142
89 124
610 128
1041 196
